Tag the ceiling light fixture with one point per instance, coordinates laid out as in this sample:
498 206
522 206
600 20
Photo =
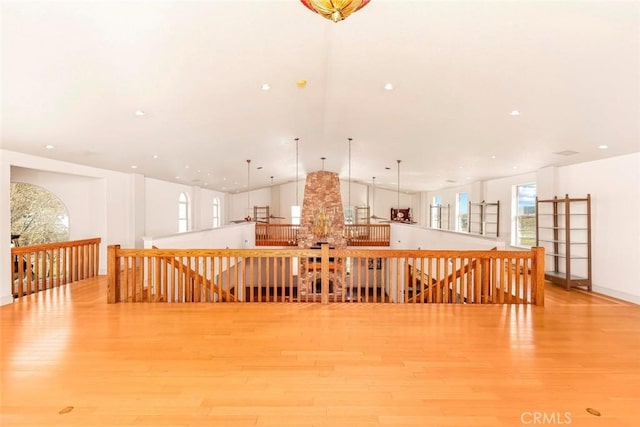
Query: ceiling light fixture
336 10
603 147
388 86
265 86
515 113
139 113
49 147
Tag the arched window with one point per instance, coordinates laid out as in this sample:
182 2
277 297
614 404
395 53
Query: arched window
183 213
216 212
37 215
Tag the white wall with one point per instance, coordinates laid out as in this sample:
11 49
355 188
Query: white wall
387 199
449 196
281 197
161 207
614 185
501 190
102 205
235 236
97 200
82 196
405 236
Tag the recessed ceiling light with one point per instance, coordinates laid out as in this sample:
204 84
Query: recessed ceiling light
460 167
493 157
134 167
603 147
49 147
265 86
139 113
388 86
515 167
515 113
155 156
186 166
177 177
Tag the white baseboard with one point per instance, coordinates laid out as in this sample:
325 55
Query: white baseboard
6 299
635 299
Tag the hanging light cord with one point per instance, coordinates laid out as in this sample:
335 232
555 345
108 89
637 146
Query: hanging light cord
248 191
398 186
373 198
297 140
350 139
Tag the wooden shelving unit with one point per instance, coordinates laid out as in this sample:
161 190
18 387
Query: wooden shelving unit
484 218
563 228
261 214
362 215
440 216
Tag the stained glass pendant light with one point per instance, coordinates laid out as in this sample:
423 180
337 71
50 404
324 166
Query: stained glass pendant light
336 10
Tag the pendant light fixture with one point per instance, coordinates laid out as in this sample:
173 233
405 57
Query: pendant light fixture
335 10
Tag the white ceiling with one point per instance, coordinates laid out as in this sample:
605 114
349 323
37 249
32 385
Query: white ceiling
74 73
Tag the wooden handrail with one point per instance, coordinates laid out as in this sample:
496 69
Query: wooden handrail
198 279
326 275
39 267
356 234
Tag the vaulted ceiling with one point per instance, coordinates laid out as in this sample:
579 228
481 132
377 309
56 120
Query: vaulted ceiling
173 90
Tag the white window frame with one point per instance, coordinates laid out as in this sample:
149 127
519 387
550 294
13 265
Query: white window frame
215 216
435 219
460 207
296 213
183 220
517 217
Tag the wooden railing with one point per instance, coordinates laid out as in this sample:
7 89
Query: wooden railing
368 234
40 267
325 275
276 234
357 235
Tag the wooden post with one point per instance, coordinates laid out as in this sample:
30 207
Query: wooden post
538 275
324 274
113 275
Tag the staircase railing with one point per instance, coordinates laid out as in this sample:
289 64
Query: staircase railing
326 275
39 267
356 234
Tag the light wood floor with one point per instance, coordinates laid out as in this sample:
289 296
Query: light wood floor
69 359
